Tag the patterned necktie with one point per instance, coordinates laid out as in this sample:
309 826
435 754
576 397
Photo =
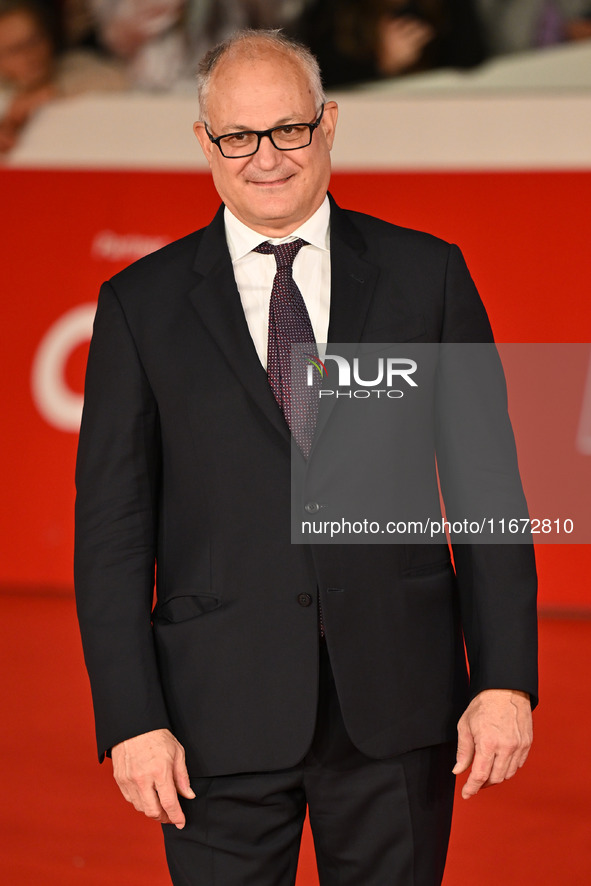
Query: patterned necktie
289 323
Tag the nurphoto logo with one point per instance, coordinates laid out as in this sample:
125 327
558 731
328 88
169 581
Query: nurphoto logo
385 371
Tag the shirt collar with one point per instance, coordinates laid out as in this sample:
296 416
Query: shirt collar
242 239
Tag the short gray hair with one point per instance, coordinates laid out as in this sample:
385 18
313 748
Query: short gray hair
251 39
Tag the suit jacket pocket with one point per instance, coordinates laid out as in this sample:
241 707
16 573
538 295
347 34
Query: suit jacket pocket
182 607
394 331
425 559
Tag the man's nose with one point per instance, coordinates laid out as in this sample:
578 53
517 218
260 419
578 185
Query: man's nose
267 156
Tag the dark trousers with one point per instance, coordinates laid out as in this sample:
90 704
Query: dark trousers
374 822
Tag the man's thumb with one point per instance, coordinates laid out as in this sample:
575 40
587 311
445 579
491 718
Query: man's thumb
181 778
465 752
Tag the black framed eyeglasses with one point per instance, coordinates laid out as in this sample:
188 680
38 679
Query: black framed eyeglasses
289 137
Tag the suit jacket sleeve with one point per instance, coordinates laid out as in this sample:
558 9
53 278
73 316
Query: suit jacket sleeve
497 582
116 524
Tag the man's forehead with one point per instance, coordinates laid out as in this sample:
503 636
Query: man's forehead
256 54
238 67
254 93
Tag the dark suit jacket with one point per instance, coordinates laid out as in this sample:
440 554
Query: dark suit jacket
184 460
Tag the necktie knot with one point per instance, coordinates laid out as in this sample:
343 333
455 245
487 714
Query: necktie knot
284 253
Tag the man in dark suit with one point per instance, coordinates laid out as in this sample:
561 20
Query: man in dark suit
273 677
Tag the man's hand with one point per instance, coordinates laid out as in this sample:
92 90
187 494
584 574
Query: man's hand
150 770
494 735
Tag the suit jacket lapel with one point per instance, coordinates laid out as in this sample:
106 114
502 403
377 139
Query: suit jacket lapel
217 301
353 281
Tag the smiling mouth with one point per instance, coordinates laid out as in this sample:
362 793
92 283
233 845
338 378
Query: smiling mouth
276 182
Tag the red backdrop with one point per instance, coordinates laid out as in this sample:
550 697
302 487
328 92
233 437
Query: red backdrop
525 237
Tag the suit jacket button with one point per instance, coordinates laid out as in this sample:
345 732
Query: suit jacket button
311 507
304 599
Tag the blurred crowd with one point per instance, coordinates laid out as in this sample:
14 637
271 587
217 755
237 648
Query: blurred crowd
53 48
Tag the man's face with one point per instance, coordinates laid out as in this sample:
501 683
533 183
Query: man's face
272 191
25 51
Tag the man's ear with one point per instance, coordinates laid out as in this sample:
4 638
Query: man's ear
203 138
329 122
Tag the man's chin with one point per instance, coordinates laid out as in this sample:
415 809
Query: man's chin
269 206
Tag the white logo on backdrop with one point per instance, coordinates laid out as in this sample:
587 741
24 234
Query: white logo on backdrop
124 247
59 405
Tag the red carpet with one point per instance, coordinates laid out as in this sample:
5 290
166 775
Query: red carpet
62 822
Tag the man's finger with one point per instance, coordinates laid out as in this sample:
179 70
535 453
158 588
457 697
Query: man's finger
169 803
151 805
131 793
479 774
512 767
501 766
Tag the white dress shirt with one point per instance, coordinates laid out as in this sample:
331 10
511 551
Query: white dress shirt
255 272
